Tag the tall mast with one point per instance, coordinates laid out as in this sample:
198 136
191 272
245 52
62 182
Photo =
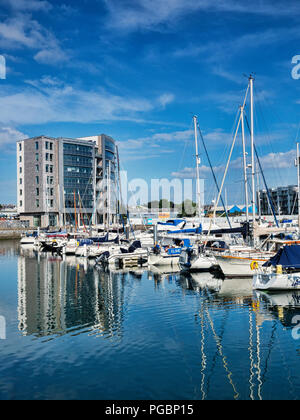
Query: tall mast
197 166
298 176
109 195
251 80
75 213
245 164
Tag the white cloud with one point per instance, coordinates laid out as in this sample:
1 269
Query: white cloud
9 136
159 15
50 100
28 5
153 146
52 56
190 173
278 161
166 99
22 31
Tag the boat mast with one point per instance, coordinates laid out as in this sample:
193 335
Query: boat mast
198 169
109 195
245 164
298 176
251 80
75 213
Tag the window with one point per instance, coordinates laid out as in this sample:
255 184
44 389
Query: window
51 169
37 191
47 145
36 145
47 168
21 192
37 157
20 147
21 170
37 168
21 203
21 181
51 146
37 178
47 156
51 157
20 159
51 203
37 203
51 191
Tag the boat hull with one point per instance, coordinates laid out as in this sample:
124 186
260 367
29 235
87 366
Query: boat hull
237 267
276 281
163 260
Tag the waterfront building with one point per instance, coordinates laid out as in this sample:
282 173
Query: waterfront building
63 181
285 200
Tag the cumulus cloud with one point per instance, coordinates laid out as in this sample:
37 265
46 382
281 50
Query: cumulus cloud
51 100
9 136
22 31
166 99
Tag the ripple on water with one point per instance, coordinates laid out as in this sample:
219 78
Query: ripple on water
75 332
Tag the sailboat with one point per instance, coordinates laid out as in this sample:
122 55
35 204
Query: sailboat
282 272
241 262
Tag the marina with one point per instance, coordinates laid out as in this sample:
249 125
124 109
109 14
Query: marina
149 203
140 333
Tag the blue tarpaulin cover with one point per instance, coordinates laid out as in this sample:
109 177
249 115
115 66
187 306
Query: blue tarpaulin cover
288 257
235 209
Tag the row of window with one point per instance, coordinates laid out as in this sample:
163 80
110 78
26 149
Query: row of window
84 204
73 160
78 149
76 182
72 171
48 145
48 157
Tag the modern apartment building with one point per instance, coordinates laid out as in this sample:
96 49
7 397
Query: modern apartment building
285 200
62 181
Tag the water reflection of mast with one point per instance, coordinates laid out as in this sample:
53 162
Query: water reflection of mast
218 341
221 353
203 364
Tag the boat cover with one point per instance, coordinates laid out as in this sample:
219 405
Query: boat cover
288 257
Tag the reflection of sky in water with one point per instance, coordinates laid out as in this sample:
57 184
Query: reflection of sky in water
74 332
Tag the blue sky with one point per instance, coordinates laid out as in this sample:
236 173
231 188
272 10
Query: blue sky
139 69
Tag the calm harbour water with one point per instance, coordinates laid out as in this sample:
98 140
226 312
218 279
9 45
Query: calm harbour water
73 332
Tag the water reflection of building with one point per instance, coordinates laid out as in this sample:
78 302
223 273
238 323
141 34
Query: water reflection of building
56 297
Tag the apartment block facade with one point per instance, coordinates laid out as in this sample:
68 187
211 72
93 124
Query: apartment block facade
284 199
60 180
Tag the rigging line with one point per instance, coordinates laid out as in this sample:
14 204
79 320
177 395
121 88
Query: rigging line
184 150
214 175
225 173
268 136
271 344
220 350
271 203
